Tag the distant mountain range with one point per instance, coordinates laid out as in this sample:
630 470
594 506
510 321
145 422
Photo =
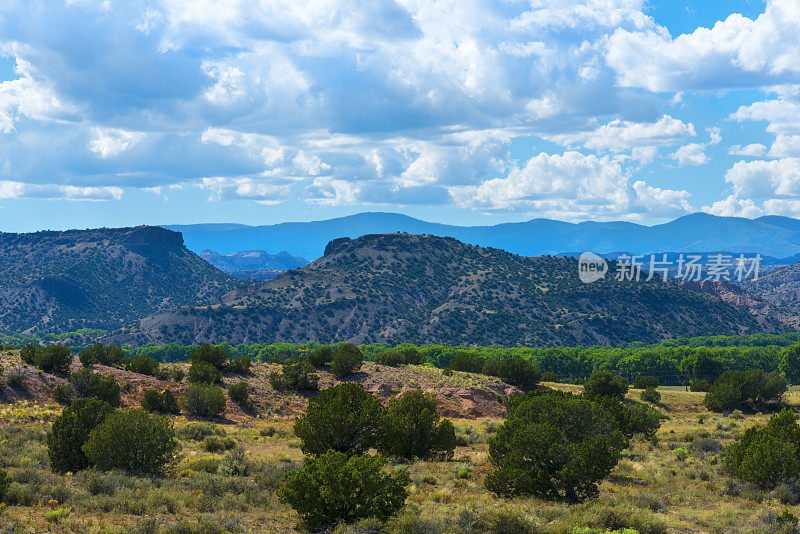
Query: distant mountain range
253 264
394 288
778 237
104 278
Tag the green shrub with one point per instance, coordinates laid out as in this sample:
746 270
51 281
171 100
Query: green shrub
235 464
16 380
5 481
204 373
164 402
520 373
651 395
144 365
178 374
203 401
335 488
549 376
767 456
112 355
199 431
218 443
467 362
63 394
298 376
554 446
321 357
240 365
395 357
753 389
347 359
645 382
602 383
103 387
344 418
134 441
632 417
412 428
213 355
54 359
71 430
699 385
240 393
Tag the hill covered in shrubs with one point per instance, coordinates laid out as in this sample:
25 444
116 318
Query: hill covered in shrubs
394 288
103 278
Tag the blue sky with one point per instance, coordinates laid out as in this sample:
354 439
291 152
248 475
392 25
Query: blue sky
461 111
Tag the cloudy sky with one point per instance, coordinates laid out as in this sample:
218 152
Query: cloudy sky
115 113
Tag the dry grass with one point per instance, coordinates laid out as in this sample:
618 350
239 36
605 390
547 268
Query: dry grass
674 485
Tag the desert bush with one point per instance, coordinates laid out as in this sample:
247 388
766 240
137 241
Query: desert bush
217 443
144 365
235 464
650 395
520 373
240 364
71 430
549 376
298 376
632 417
769 455
213 355
54 359
335 488
467 362
112 355
344 418
178 374
321 357
134 441
203 401
164 402
240 393
395 357
699 385
412 428
554 446
753 389
16 379
201 372
503 521
5 481
103 387
645 382
199 431
603 383
63 394
347 359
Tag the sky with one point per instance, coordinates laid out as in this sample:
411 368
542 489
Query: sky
118 113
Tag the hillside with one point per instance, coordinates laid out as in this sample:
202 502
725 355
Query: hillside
781 288
103 278
773 236
395 288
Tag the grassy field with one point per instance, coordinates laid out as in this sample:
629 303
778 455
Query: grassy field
673 485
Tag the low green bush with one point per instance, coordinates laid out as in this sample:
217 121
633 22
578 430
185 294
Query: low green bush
645 382
650 395
767 456
321 357
103 387
602 383
347 359
240 364
334 488
133 441
63 394
297 376
144 365
754 390
240 393
699 385
201 372
412 428
217 443
344 418
203 400
199 431
54 359
70 432
164 402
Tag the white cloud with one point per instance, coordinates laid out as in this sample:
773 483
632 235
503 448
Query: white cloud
619 135
765 179
12 189
691 154
571 186
736 52
734 207
783 116
785 146
755 150
110 142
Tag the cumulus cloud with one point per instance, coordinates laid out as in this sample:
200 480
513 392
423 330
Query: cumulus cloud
753 150
692 154
619 135
734 207
11 189
735 52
